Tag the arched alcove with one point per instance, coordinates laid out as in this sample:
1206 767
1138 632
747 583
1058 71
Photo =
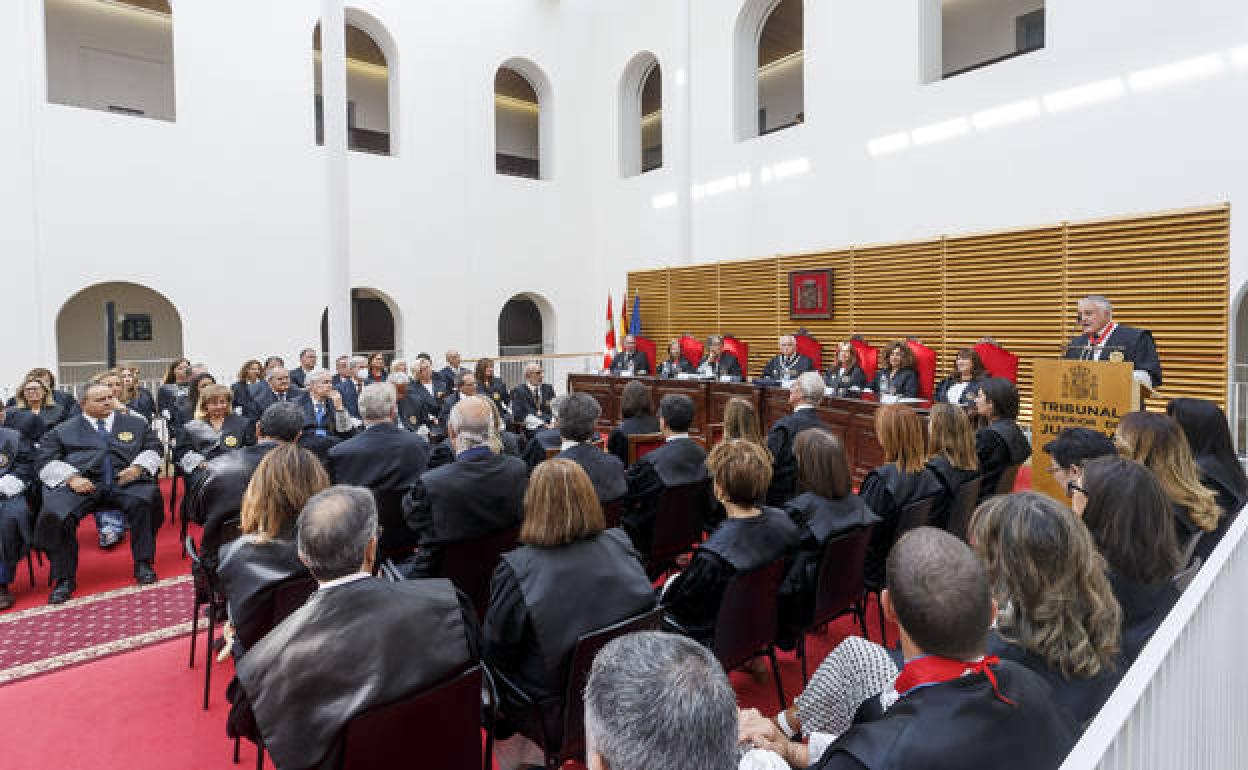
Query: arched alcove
523 121
641 115
526 326
147 331
769 55
372 85
115 57
376 324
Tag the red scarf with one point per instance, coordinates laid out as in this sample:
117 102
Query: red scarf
1099 339
933 669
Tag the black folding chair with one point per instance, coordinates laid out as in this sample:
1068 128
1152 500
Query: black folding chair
678 518
839 584
964 506
207 589
469 564
748 620
915 514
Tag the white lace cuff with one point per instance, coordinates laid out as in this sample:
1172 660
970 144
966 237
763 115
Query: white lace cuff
148 460
190 461
56 473
11 485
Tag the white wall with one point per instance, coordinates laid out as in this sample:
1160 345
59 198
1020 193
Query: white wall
974 31
226 216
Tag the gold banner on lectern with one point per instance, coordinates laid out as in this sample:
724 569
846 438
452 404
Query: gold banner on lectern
1076 394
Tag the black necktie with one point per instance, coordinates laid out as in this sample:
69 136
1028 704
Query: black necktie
106 468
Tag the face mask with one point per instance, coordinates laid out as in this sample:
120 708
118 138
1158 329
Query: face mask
361 374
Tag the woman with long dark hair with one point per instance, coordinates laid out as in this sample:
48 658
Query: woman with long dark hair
951 457
898 376
1000 444
962 384
1208 435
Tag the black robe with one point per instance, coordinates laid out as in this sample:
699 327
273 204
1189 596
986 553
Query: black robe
605 471
1144 607
951 479
736 547
886 491
17 457
248 568
678 462
349 648
669 369
999 446
903 384
1079 698
796 364
968 393
780 443
617 441
846 383
1136 346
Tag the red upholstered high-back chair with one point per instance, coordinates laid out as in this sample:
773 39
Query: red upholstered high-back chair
868 357
691 349
648 347
925 363
809 346
739 349
998 361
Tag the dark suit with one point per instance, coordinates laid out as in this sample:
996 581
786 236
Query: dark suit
639 360
478 494
328 421
535 450
605 471
299 378
1136 346
80 445
449 375
424 406
780 442
669 369
262 397
17 459
524 404
350 397
903 384
968 393
795 364
727 366
496 391
389 461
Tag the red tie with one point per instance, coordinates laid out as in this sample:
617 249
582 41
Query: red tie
933 669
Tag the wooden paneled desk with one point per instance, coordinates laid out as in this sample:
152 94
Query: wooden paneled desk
850 419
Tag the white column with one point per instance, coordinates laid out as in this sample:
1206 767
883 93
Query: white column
337 179
683 124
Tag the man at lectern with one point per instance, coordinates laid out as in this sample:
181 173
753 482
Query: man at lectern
1105 340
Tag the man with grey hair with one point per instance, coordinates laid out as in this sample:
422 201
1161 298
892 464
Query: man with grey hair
480 493
578 424
657 701
422 406
805 394
531 399
359 641
384 458
275 389
1105 340
789 364
324 413
350 387
546 438
717 362
630 360
450 373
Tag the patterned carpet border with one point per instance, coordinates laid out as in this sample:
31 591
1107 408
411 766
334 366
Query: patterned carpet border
57 662
85 600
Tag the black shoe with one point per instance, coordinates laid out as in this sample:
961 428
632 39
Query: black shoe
6 598
110 538
144 574
61 592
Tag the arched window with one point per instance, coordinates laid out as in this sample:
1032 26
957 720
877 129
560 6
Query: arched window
522 121
770 53
375 326
371 87
526 326
115 56
147 331
641 116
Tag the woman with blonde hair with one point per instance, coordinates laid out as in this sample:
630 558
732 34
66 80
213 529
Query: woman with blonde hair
265 554
250 375
214 430
1157 441
533 621
1056 611
741 422
35 397
950 457
134 396
900 481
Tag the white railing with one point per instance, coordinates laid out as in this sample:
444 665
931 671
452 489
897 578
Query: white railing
1237 413
1184 703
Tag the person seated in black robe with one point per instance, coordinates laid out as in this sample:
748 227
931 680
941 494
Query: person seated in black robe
846 377
750 538
630 360
962 383
717 362
34 398
789 363
1157 441
679 462
424 399
216 498
1208 435
215 431
805 394
637 413
492 387
173 388
1057 614
898 375
674 363
186 406
999 444
533 620
531 399
265 555
900 481
952 705
99 460
385 459
825 509
577 418
480 493
358 642
545 438
134 396
1125 509
952 459
17 474
1071 449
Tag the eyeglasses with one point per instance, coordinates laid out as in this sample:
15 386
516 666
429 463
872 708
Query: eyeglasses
1073 487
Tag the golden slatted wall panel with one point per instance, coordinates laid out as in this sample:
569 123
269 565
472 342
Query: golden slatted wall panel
746 295
1007 286
890 301
1167 273
828 331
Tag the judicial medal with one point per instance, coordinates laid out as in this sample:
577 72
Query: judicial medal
495 395
4 460
413 419
230 441
1117 357
126 436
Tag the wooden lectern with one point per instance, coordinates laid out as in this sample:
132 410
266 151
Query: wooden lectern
1076 394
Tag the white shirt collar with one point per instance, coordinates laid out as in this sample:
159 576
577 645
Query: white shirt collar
342 581
675 436
566 445
108 421
800 407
